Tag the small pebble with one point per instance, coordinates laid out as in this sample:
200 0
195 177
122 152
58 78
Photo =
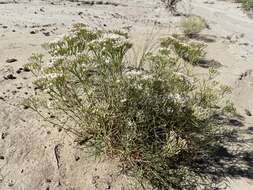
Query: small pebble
46 33
26 69
26 107
48 180
248 113
18 71
10 76
77 158
32 32
4 135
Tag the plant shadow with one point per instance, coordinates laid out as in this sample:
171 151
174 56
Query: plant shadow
206 38
207 63
229 159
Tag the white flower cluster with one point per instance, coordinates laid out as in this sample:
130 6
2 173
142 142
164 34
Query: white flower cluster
53 76
200 112
118 40
184 77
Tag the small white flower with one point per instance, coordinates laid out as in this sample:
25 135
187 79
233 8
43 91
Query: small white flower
53 75
123 100
134 72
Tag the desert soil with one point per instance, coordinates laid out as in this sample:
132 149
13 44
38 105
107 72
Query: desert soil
34 155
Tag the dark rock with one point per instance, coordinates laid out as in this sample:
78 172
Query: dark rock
11 60
248 113
26 107
244 44
10 76
1 157
245 74
77 158
108 186
18 71
26 69
52 116
4 135
33 32
46 33
14 92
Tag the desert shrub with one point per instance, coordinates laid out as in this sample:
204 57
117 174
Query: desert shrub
192 25
246 4
156 118
191 52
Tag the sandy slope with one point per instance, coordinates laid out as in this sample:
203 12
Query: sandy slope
35 157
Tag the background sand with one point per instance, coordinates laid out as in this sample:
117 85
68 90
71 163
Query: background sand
28 150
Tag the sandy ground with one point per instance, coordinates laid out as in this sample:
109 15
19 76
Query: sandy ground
34 156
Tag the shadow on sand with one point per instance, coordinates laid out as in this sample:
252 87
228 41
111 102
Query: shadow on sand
230 159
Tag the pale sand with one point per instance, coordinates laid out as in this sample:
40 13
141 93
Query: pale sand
28 149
